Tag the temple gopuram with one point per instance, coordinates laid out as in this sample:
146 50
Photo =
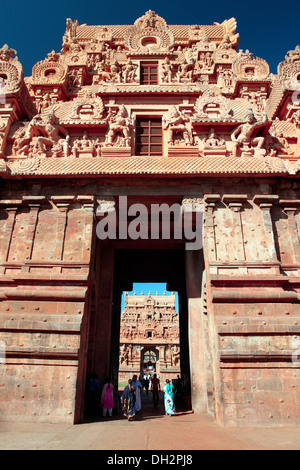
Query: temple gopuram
149 337
123 121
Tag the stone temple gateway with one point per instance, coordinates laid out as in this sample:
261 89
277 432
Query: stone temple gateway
171 115
149 337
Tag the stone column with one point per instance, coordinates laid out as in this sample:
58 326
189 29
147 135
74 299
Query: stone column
265 202
197 348
235 203
62 203
34 204
209 235
194 266
290 208
88 204
11 207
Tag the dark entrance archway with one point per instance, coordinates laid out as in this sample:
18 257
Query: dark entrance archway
153 265
117 266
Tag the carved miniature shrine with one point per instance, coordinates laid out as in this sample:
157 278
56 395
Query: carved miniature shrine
161 114
149 337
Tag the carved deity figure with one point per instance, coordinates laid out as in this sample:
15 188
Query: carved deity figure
149 20
83 144
124 354
186 71
129 72
175 355
48 134
119 124
166 71
7 53
212 140
276 143
244 136
115 71
176 123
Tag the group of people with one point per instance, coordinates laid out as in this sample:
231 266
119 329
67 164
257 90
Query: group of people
129 402
131 397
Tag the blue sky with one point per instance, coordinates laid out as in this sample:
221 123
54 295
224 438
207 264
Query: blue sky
34 28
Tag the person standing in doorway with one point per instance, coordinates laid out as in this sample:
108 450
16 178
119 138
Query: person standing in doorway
128 401
146 383
107 398
169 394
138 387
155 388
94 391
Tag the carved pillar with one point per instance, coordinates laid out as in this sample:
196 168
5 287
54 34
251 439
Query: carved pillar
209 235
235 203
290 208
34 204
88 204
193 212
194 272
11 208
265 202
62 203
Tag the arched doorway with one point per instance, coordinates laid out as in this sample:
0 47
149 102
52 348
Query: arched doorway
169 263
150 362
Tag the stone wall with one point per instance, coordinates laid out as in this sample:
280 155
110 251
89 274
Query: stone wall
45 254
253 261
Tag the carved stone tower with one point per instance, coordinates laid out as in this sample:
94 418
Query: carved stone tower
149 337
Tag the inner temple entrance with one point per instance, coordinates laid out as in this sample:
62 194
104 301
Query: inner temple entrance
116 271
151 334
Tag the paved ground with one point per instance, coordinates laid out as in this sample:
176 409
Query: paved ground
151 431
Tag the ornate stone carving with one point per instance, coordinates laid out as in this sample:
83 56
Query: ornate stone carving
256 99
119 126
70 34
11 71
178 126
84 146
49 71
231 37
245 137
213 144
75 55
167 71
129 72
246 67
189 71
224 55
275 141
295 118
87 107
225 78
289 69
150 33
27 165
213 105
43 135
110 72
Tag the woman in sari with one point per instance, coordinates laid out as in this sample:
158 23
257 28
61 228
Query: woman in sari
169 395
128 401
